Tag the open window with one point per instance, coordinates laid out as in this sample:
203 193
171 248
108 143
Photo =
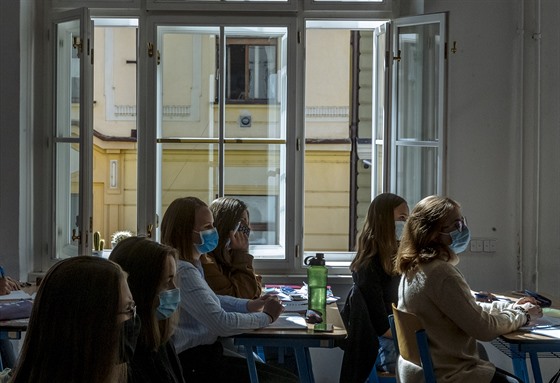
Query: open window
72 45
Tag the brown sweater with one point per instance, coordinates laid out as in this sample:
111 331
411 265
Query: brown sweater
239 281
439 295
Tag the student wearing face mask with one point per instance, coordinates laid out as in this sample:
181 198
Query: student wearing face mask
228 268
374 290
435 290
188 226
82 327
151 269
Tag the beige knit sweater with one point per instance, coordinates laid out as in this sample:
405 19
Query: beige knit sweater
439 295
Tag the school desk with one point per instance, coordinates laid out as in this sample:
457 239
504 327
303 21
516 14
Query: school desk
300 340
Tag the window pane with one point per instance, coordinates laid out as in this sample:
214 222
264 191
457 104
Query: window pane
250 138
67 197
188 76
338 129
416 172
114 124
67 149
68 79
188 170
349 1
253 174
418 82
380 109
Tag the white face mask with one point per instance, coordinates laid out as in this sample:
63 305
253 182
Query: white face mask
399 228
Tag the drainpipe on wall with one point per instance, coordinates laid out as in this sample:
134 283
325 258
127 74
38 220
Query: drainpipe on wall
354 120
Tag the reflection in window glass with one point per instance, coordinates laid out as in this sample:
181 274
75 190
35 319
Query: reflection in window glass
416 172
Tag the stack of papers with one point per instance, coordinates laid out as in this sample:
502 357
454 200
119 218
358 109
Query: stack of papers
548 325
15 295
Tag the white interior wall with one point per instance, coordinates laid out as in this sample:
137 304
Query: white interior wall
502 137
9 135
483 132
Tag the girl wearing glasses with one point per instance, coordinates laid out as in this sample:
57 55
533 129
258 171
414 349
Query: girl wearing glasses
228 268
77 331
375 282
435 290
151 269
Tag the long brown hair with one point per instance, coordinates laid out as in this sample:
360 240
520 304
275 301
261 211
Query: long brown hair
73 332
378 233
227 212
177 225
144 261
418 244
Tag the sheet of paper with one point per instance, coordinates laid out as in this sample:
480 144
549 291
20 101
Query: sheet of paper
15 295
295 306
552 332
289 322
546 322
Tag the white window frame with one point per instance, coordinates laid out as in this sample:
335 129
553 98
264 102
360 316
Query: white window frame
148 218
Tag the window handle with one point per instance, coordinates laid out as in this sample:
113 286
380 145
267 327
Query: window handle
74 236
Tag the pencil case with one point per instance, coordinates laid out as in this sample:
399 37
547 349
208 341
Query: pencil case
541 299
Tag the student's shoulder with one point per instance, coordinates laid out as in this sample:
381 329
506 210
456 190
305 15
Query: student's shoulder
185 267
439 268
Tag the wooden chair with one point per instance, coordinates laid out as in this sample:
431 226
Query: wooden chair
380 376
413 342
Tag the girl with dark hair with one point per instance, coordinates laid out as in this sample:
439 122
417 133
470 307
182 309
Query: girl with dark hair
228 268
83 325
151 269
375 282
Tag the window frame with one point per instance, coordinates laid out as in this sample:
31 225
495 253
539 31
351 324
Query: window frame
246 42
298 12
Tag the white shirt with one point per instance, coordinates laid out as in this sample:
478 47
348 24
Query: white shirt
205 316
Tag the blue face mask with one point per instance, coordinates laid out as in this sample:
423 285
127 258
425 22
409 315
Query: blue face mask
209 240
399 228
459 240
168 303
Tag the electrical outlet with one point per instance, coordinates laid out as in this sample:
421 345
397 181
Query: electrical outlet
492 245
473 246
479 246
486 245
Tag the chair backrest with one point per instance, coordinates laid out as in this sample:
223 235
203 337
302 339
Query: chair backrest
413 342
379 376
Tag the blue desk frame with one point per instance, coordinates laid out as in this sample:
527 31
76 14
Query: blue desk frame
300 347
520 345
15 327
299 340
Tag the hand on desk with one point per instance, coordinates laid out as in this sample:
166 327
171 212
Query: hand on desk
7 285
268 304
530 305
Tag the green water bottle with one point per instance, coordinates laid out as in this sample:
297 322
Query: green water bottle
317 284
